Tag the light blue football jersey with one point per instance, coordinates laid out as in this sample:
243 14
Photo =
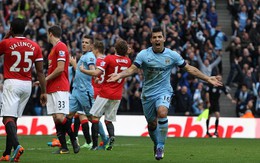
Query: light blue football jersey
83 81
157 69
71 73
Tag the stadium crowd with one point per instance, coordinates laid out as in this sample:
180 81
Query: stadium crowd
191 28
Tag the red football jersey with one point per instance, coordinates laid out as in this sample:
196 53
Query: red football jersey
20 54
113 64
97 86
61 83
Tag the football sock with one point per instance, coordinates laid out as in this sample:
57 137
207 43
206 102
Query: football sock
85 130
8 147
67 128
76 125
101 132
163 131
216 125
61 135
110 128
11 131
94 131
153 134
207 125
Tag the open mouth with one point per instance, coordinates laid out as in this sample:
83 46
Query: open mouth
157 45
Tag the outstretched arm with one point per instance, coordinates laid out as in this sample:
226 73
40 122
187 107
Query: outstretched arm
197 73
230 97
92 71
128 72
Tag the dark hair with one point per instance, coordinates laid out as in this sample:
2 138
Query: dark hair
88 37
18 26
55 30
121 47
99 46
157 29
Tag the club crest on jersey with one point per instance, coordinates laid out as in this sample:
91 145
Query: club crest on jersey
167 61
149 60
91 59
61 53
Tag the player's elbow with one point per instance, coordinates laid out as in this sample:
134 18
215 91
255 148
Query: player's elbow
60 70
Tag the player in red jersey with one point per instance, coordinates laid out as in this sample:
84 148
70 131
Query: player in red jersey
98 50
20 54
108 99
97 81
58 88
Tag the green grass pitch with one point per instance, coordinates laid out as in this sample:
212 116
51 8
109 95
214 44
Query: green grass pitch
140 149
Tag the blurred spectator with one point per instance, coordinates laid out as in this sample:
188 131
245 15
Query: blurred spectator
2 32
256 90
249 107
183 102
242 17
220 37
235 51
245 75
212 17
242 97
134 93
205 66
198 100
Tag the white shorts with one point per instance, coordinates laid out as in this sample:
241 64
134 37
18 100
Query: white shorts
16 94
105 106
58 102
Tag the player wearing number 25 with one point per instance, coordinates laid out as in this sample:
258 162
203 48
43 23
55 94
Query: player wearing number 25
108 99
20 54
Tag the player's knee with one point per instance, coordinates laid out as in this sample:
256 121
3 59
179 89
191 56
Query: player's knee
162 112
71 115
107 122
94 120
89 118
8 119
58 118
152 125
82 117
